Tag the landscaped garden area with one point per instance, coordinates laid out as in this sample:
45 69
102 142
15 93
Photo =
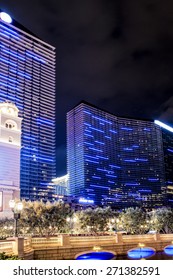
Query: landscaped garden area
40 219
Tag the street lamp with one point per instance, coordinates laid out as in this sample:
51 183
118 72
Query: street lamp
16 207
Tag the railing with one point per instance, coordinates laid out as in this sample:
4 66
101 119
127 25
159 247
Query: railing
91 240
138 238
29 244
166 237
44 242
6 246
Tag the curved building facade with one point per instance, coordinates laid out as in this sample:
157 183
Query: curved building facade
27 78
113 160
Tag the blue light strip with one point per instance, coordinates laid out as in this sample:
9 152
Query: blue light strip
88 135
141 159
9 79
87 124
31 149
130 160
1 33
108 137
97 150
88 160
105 170
127 149
153 179
112 176
44 121
125 128
113 131
170 150
8 29
28 137
87 112
15 55
100 187
91 157
96 177
106 158
142 190
115 166
37 58
21 74
96 129
9 62
100 119
87 143
101 143
7 85
11 34
132 184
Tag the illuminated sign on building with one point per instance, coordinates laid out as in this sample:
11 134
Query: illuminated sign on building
83 200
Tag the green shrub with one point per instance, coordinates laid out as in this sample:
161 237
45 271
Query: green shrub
3 256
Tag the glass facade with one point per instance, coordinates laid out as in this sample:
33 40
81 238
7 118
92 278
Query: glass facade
113 160
27 78
168 159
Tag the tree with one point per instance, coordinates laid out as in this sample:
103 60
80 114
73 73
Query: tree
38 218
133 220
161 220
94 220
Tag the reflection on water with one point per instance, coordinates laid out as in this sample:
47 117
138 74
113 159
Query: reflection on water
169 250
157 256
141 253
96 256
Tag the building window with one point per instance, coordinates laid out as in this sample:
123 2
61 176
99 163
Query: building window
10 139
10 124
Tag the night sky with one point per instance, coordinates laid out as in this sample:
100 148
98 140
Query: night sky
115 54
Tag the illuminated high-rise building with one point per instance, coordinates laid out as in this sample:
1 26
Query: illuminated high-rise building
167 136
27 78
114 160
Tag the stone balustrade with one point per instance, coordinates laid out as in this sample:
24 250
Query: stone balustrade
67 246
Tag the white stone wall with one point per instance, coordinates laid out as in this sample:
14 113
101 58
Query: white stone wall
10 145
10 164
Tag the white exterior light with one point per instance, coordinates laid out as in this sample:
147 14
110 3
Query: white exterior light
19 206
5 17
12 204
164 125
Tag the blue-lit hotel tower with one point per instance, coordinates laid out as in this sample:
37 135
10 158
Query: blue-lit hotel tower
114 160
167 136
27 78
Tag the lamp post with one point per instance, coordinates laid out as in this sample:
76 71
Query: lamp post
16 207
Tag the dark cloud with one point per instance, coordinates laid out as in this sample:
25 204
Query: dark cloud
115 54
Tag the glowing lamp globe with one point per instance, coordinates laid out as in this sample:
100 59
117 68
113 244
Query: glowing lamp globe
5 17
